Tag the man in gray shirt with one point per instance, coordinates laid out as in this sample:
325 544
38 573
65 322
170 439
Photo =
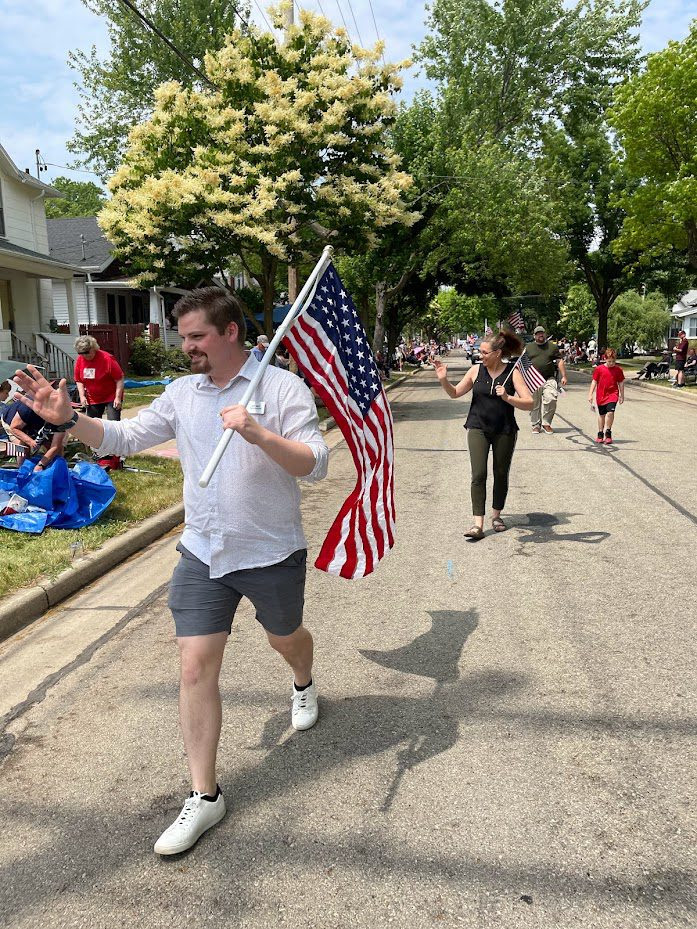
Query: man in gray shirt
230 547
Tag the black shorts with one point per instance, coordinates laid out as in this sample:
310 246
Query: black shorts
607 407
202 605
96 411
680 364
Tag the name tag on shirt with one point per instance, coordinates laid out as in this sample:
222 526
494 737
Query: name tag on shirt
88 373
257 407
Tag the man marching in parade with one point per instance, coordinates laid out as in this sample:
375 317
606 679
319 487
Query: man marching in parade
230 547
545 356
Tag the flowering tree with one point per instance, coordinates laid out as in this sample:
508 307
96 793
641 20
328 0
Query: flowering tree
286 151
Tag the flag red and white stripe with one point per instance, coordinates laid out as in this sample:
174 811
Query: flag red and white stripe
532 377
516 321
329 345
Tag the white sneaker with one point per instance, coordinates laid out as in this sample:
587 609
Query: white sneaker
305 709
196 816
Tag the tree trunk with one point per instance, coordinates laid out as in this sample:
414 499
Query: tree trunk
268 289
691 229
364 310
603 306
380 307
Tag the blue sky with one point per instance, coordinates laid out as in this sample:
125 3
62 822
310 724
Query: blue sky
38 101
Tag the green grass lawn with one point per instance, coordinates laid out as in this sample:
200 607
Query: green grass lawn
26 557
141 396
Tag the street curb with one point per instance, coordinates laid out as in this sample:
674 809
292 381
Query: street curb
25 606
656 389
330 422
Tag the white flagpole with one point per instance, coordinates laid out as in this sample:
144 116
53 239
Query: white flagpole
513 369
299 301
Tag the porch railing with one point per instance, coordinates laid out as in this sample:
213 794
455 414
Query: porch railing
22 351
58 362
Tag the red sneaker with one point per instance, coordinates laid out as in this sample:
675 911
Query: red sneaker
599 438
608 438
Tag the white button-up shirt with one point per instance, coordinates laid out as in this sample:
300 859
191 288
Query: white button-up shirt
249 515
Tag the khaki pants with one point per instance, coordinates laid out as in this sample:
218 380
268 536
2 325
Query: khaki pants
544 403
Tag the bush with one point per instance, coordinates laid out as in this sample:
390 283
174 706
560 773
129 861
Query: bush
177 360
147 357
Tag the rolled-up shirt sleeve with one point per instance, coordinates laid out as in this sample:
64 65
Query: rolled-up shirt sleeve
300 423
150 427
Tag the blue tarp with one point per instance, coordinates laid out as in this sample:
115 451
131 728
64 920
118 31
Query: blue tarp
129 384
59 497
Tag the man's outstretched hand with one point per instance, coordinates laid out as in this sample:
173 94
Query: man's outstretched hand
50 404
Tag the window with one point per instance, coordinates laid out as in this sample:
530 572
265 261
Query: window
2 214
692 327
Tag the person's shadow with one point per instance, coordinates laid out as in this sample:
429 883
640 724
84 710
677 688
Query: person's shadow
435 653
538 528
370 724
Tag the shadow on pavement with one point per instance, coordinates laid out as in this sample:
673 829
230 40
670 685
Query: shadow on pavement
539 528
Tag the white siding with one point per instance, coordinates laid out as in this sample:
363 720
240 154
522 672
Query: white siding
46 301
25 222
60 302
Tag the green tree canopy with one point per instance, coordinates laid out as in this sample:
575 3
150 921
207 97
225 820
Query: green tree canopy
287 154
655 116
80 198
117 91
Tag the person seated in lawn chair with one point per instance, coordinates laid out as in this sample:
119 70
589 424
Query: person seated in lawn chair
29 434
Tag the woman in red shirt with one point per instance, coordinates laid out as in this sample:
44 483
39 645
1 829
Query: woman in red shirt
608 386
99 379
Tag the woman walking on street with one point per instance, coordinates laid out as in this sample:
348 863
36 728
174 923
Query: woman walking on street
498 389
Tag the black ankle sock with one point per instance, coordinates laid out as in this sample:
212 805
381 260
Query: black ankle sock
304 687
608 432
213 798
600 434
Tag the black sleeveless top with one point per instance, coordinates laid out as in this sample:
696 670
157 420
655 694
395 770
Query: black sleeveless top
488 412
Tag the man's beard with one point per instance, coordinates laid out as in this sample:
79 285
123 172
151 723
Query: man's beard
200 364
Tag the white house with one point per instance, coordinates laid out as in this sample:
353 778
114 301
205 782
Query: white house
103 293
684 316
26 267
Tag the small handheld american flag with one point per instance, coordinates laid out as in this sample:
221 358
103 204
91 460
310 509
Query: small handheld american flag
531 375
329 344
516 321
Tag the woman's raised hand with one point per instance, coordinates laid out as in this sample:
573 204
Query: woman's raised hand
50 404
440 368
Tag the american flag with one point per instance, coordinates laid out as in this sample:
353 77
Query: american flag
516 321
329 344
531 375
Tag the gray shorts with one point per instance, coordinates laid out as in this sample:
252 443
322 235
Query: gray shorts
202 605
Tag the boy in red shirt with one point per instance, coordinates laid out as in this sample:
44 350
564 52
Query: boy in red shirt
608 381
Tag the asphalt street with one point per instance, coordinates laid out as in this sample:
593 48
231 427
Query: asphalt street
507 729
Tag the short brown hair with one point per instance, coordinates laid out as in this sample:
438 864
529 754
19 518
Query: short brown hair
220 308
610 353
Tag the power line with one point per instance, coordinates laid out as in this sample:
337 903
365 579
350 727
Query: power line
319 4
377 31
68 168
263 15
355 23
170 44
341 13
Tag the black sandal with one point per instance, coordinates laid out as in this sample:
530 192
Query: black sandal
498 525
476 533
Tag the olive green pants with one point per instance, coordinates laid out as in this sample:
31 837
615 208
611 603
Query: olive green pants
502 446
